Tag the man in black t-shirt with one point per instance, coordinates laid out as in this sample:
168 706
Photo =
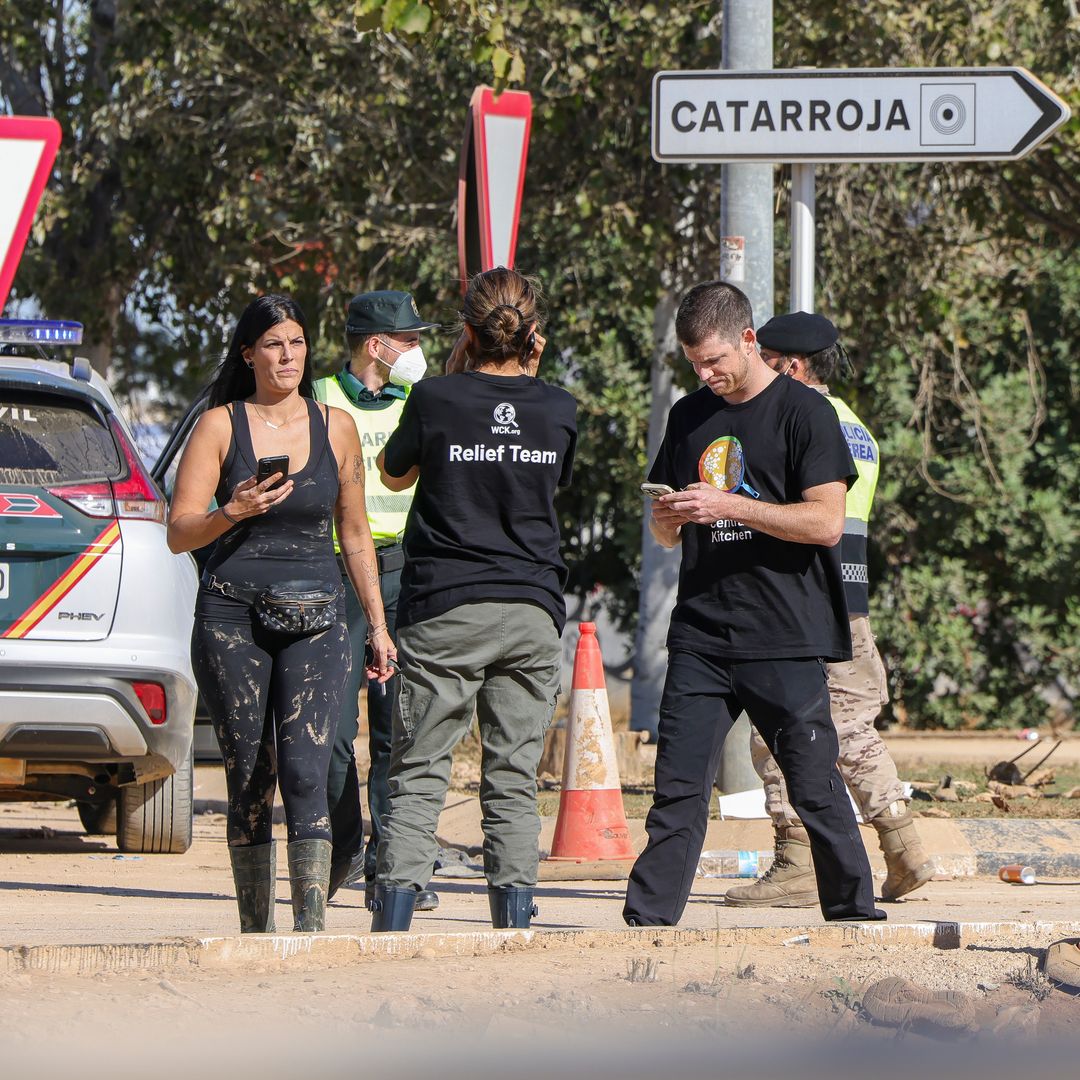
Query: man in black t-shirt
761 470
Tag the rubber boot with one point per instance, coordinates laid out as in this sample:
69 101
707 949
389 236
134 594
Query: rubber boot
254 871
789 882
392 908
905 858
511 907
309 882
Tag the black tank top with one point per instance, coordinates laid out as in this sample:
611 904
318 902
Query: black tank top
292 540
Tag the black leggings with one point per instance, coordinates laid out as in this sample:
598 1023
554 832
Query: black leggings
274 700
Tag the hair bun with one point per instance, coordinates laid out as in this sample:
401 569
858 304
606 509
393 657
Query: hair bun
504 325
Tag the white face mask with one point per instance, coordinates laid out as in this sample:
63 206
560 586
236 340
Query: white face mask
410 366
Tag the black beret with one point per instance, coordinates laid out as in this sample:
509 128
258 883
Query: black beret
797 334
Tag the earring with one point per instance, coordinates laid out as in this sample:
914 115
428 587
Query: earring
250 364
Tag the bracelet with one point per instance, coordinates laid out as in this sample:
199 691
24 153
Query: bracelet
228 517
372 631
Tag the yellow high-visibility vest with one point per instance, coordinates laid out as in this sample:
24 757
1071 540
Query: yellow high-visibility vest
864 449
860 498
387 510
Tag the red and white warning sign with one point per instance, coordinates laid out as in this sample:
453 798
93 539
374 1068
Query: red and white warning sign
492 178
28 146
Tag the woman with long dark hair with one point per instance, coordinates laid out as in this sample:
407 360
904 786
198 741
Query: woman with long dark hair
270 647
481 606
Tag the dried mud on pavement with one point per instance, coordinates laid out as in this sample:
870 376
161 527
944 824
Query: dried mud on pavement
698 990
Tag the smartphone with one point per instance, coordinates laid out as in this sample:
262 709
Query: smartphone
654 491
270 465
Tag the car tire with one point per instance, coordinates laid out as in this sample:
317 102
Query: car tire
155 818
98 818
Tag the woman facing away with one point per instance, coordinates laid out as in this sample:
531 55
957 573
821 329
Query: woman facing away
481 607
270 647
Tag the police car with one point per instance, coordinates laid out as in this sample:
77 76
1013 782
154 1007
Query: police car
97 696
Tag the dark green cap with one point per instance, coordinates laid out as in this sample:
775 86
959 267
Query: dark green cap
385 312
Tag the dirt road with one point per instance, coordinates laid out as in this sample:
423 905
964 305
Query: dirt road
757 1009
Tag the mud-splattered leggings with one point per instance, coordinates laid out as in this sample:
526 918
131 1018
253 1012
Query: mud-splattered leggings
274 700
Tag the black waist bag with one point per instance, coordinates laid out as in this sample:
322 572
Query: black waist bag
302 608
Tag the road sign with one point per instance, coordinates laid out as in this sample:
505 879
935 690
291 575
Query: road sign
491 179
887 114
28 147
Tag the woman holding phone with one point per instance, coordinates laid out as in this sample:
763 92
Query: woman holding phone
270 648
481 606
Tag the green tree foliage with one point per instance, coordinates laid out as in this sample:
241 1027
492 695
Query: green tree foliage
213 150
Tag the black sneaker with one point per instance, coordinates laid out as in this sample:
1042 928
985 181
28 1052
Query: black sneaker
426 900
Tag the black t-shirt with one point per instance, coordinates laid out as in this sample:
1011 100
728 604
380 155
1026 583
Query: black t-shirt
491 451
745 595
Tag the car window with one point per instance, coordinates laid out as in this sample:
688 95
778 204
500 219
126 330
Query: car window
47 440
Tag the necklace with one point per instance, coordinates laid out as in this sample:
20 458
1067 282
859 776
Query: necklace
271 424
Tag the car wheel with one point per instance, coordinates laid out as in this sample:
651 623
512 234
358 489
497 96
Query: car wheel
156 817
98 818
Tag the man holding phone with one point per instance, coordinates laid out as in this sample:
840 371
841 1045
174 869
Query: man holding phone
382 333
764 470
806 347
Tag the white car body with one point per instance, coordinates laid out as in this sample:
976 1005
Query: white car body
76 660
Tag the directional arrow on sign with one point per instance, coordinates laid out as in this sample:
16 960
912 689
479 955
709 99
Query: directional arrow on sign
28 146
889 114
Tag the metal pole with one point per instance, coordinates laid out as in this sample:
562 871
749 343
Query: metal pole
802 237
746 202
746 223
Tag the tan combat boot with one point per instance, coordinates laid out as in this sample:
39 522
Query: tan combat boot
905 858
789 882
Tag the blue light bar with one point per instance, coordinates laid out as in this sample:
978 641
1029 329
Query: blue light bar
40 332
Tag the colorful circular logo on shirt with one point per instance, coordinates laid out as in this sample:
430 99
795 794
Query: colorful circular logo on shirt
505 413
724 465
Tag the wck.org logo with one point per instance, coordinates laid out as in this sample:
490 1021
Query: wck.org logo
505 420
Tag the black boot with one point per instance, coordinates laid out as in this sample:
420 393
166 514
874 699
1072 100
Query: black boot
392 908
309 880
254 871
511 907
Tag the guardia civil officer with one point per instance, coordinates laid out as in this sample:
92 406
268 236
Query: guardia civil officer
761 470
481 606
807 348
382 333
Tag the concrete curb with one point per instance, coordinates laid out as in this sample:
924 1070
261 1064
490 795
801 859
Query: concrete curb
312 951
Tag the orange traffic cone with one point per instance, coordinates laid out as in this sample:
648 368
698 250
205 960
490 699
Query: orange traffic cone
592 822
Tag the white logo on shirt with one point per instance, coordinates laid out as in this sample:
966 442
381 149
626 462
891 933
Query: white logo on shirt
505 420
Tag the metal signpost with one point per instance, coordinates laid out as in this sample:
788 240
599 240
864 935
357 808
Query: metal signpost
871 114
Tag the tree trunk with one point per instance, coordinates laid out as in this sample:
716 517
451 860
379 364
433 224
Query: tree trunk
659 567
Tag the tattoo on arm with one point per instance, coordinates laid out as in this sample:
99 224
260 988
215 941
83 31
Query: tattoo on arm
371 572
358 470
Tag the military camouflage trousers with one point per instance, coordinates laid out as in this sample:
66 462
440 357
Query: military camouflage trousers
857 690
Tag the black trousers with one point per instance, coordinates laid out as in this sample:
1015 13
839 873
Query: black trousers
788 702
274 699
343 784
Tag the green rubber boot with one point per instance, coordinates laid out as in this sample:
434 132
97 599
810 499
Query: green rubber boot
254 870
309 882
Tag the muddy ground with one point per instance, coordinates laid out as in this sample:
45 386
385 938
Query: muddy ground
703 1009
527 1008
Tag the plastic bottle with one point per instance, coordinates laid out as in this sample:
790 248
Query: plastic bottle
738 864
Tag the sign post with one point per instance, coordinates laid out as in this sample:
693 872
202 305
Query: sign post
873 114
